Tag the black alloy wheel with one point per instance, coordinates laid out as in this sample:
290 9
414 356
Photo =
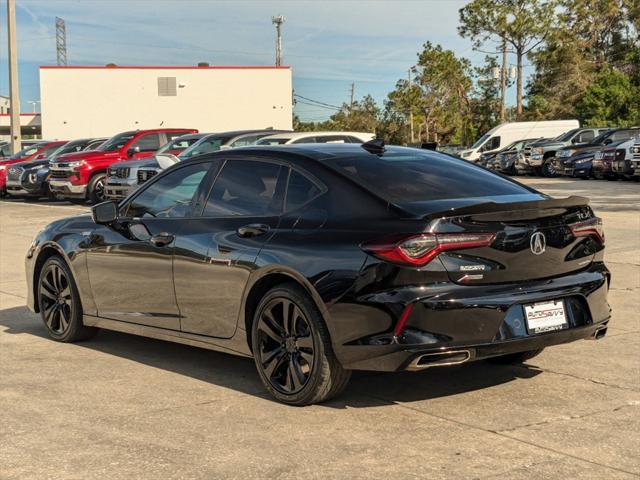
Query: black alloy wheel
97 189
59 303
286 347
292 348
55 299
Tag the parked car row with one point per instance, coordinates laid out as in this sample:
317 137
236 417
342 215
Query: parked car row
97 169
601 153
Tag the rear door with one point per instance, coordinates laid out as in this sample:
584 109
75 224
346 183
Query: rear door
216 253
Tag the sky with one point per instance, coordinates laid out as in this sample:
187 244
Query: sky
329 44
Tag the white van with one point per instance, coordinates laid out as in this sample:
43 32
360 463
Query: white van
506 133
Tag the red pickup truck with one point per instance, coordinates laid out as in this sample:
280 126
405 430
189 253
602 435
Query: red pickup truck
81 175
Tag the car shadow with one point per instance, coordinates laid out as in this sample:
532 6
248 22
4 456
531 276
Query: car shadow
366 389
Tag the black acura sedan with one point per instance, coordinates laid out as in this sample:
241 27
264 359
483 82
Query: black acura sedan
321 259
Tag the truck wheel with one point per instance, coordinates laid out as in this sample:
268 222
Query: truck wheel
548 170
96 188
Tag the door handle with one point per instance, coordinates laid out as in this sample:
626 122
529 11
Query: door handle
252 230
162 239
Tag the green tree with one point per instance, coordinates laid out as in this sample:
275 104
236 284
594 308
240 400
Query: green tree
521 24
610 100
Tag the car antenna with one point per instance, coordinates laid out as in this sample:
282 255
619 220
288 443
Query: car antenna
375 146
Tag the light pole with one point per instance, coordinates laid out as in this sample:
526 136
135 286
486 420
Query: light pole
33 105
14 88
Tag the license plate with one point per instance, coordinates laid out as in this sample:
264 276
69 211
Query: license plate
545 317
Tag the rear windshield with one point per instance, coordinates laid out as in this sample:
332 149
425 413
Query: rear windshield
409 176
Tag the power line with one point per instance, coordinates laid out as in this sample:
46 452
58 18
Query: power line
318 106
317 101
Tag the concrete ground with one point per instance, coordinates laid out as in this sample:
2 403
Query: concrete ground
126 407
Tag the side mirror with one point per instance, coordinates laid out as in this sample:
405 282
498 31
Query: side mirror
105 212
41 156
608 141
132 151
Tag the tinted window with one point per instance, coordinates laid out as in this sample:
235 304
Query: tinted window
245 187
585 136
244 141
171 196
412 176
300 191
178 144
624 134
306 140
116 143
332 139
204 145
273 141
94 145
148 143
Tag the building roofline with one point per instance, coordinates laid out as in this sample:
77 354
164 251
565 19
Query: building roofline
165 67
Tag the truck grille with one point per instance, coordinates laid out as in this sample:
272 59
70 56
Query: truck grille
635 151
15 173
59 174
144 175
122 172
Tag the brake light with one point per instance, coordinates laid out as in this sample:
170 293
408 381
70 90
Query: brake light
418 250
591 227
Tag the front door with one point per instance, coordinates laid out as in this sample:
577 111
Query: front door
216 253
131 262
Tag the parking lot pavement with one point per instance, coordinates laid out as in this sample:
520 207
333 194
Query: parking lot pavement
121 406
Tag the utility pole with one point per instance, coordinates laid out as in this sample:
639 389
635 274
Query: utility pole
278 21
410 109
14 89
353 94
61 41
503 80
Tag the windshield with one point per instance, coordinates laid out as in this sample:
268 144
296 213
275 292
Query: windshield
204 145
602 137
115 143
27 151
480 141
405 177
272 141
179 144
565 137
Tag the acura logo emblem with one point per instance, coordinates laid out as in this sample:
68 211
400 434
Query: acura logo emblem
538 243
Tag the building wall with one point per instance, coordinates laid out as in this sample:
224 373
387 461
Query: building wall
102 101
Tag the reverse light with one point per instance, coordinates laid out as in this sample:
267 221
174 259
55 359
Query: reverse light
588 228
418 250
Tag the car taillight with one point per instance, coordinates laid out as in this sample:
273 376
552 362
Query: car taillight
418 250
591 227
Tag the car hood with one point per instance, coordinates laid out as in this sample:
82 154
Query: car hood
88 155
145 162
35 163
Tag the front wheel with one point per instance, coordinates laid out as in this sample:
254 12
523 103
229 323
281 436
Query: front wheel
97 188
515 358
548 169
59 303
292 349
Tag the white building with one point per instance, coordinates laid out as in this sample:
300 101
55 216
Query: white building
88 101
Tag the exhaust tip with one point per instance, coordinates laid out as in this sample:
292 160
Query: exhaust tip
439 359
600 333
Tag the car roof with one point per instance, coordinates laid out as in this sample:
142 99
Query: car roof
237 133
189 136
296 135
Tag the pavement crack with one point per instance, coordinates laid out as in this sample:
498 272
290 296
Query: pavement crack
631 403
577 377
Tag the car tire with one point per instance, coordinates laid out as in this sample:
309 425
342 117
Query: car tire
96 188
292 348
515 358
59 303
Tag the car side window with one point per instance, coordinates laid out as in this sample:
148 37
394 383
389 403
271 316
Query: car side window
306 140
300 190
586 136
247 188
148 143
171 196
245 141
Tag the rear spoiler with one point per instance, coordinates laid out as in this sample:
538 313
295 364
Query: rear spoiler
492 207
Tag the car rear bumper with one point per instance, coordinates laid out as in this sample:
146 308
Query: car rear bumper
465 323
